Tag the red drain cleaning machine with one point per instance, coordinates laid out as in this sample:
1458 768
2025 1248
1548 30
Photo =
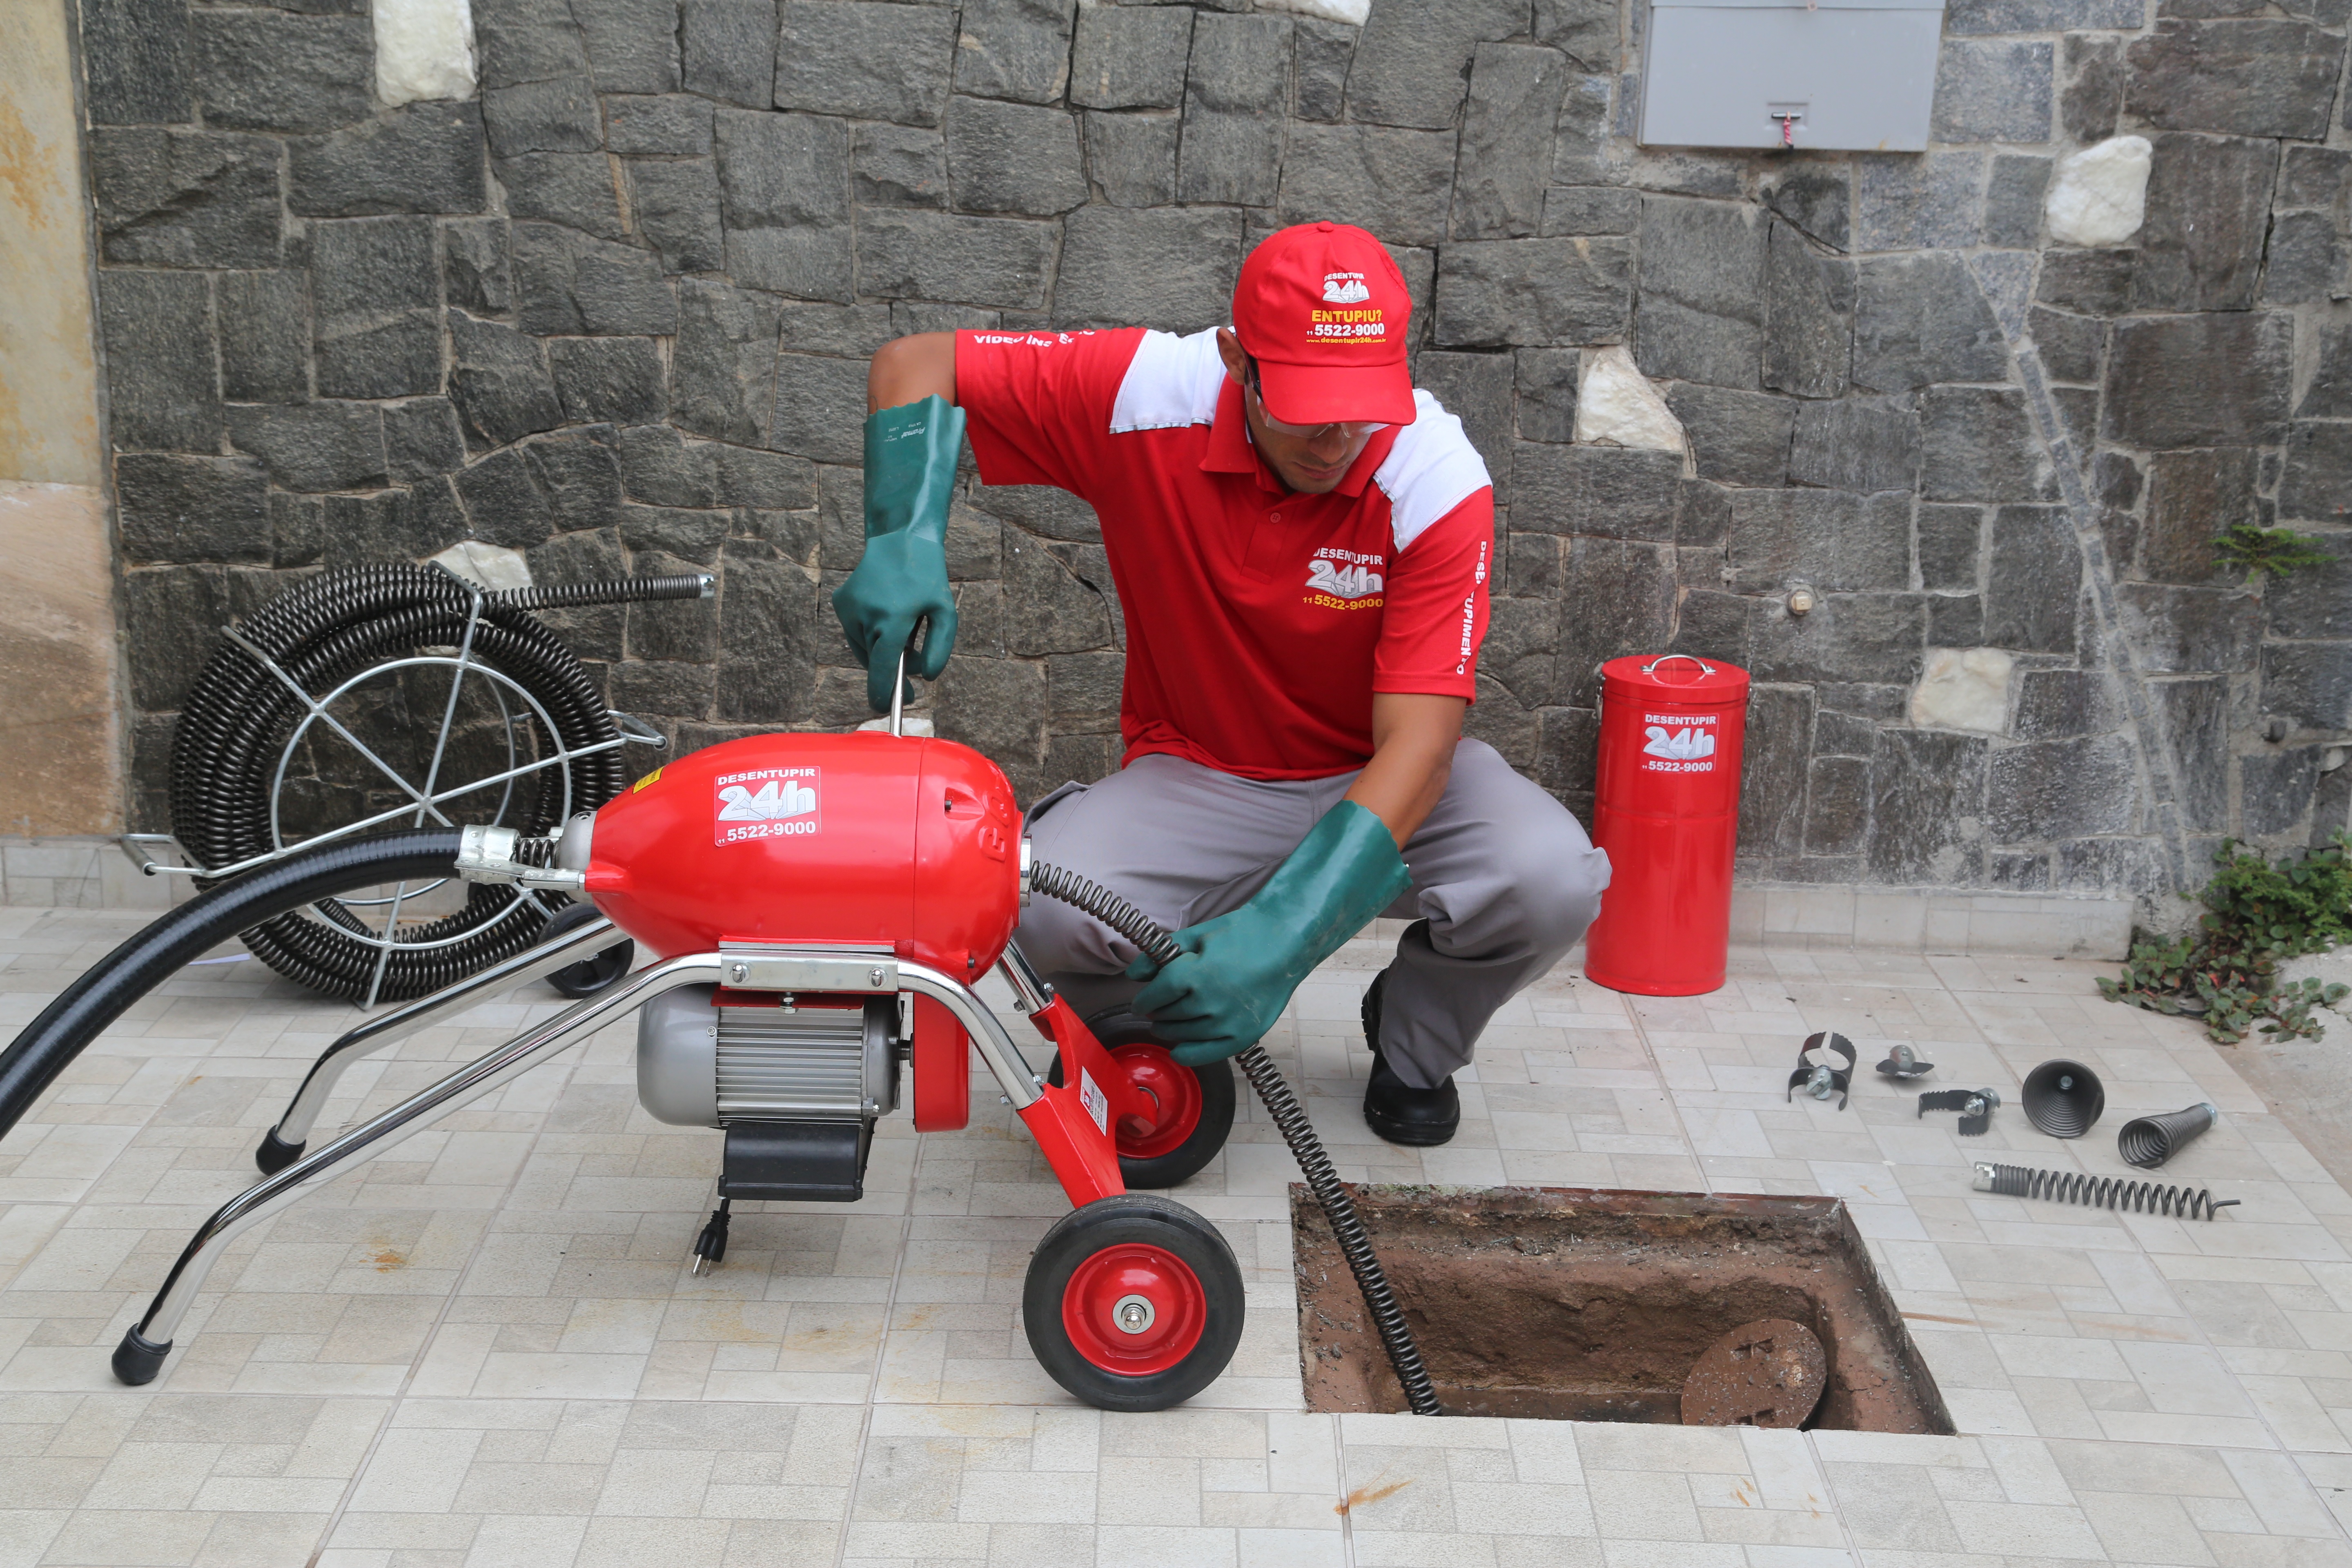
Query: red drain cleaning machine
818 909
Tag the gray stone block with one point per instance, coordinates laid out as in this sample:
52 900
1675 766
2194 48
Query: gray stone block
769 481
661 468
2014 192
476 270
2193 496
374 295
1609 492
1736 437
1979 444
2072 348
1837 805
526 41
568 285
870 62
1992 90
2314 176
1133 56
2329 394
616 379
2317 486
502 501
1827 539
1048 607
2277 788
1955 620
135 53
584 557
1018 50
680 630
726 50
2090 282
899 166
2209 207
2263 76
1907 202
783 182
2313 601
842 330
1856 443
693 536
1843 735
1396 183
1505 161
265 337
555 116
1772 802
1039 509
1322 53
1949 540
421 438
1701 308
297 530
1579 153
1626 605
723 363
270 70
998 706
1809 313
180 510
171 617
2310 683
1131 158
1235 90
1926 804
1012 158
1920 319
1868 637
820 408
1591 209
1702 525
497 379
1816 197
2093 97
2061 789
1410 64
2181 631
572 188
2034 583
1584 30
1976 16
162 388
2310 262
676 203
2052 704
1520 652
668 125
632 44
768 616
989 261
421 158
168 198
2220 379
313 446
662 689
1494 293
1100 284
1546 383
1477 389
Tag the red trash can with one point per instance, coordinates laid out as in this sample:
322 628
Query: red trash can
1665 806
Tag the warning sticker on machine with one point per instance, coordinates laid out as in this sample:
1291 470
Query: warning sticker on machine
1090 1095
765 802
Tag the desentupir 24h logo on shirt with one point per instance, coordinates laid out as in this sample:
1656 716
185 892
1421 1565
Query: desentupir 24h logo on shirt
766 802
1344 580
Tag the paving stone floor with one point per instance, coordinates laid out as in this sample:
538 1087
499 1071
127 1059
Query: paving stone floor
487 1350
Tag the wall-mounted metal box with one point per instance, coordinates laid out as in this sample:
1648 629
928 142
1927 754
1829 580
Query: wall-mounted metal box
1858 75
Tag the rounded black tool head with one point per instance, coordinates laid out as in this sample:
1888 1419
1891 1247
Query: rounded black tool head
2148 1142
2062 1099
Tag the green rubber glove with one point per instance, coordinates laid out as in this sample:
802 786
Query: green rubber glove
1238 969
901 582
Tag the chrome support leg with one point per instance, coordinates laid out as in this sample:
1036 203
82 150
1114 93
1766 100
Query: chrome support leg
995 1046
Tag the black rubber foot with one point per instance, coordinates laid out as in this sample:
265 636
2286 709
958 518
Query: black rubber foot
275 1155
137 1361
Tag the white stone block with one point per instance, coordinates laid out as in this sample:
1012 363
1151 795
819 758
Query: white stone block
2099 196
491 566
1963 689
1617 406
424 49
1351 12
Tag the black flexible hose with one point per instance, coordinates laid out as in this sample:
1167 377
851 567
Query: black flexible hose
239 717
36 1057
1306 1147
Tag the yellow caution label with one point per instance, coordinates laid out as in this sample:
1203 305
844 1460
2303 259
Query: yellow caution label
644 780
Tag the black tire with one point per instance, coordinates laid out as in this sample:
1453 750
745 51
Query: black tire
592 975
1088 1248
1167 1167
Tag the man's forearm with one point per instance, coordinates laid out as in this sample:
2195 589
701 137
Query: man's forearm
909 369
1414 737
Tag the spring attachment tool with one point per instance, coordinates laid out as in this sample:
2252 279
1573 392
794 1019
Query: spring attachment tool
1290 1117
2099 1191
1818 1078
1976 1106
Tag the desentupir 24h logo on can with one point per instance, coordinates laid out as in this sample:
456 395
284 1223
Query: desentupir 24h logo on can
766 802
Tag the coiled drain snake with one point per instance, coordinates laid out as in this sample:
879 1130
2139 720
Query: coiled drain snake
1396 1335
2099 1191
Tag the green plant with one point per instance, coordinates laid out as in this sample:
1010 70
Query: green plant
2258 912
2255 551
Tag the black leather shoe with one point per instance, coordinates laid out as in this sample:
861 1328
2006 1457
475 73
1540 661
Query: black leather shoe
1399 1113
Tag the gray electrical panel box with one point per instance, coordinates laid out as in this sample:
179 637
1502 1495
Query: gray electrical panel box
1851 75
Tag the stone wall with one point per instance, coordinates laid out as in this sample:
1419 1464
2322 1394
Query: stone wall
613 313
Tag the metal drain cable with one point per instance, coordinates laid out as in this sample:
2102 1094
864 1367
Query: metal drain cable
2099 1192
1290 1117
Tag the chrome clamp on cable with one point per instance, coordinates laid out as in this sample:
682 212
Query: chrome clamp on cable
504 857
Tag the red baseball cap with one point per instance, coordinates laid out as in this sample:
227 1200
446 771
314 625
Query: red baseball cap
1323 311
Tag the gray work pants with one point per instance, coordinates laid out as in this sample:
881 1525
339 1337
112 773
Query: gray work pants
1504 882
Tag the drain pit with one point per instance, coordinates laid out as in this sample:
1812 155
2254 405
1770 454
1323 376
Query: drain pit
1583 1304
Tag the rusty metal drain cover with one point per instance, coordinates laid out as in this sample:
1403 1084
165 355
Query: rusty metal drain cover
1769 1372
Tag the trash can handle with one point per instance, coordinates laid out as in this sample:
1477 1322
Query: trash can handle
1703 668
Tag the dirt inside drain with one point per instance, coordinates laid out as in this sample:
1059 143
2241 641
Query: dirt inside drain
1582 1304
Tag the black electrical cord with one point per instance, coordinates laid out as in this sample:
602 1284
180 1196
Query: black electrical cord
239 716
84 1009
1306 1147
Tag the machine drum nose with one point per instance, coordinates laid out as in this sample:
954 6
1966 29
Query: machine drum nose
2062 1099
2148 1142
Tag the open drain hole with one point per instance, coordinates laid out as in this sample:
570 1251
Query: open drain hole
1583 1304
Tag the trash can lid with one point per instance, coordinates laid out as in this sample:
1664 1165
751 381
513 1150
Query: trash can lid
1681 678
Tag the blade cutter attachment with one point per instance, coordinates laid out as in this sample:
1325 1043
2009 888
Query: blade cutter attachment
1819 1080
1976 1106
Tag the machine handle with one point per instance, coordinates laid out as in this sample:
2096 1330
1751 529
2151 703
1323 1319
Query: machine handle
1703 668
898 696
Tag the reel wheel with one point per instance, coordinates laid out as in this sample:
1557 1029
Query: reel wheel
1133 1303
594 972
1195 1105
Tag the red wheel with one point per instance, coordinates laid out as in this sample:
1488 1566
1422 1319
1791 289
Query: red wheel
1134 1309
1133 1302
1193 1108
1174 1093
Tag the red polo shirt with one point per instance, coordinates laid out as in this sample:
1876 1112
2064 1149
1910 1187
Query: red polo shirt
1259 622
